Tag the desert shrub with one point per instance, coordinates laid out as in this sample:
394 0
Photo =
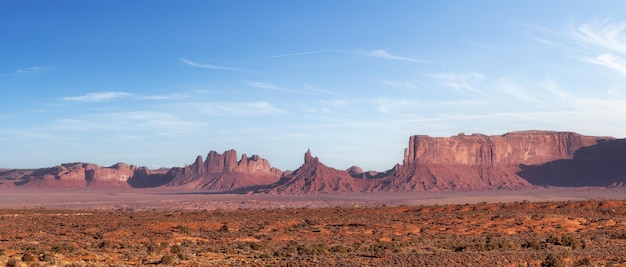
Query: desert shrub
182 256
12 262
63 248
224 228
532 243
553 260
339 249
28 257
175 249
553 239
250 245
167 259
151 247
98 236
570 241
500 245
584 262
620 234
183 229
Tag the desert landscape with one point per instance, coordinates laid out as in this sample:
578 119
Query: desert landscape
312 133
531 198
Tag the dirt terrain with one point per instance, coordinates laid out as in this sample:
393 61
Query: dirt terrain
527 228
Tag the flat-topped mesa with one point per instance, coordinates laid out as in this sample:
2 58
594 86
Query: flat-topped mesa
77 175
527 147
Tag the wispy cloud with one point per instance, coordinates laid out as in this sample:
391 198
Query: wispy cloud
603 33
517 90
585 104
557 44
399 84
95 97
209 66
610 61
30 70
103 96
268 86
129 123
605 39
308 89
174 96
231 108
285 55
319 91
461 83
27 71
380 53
292 54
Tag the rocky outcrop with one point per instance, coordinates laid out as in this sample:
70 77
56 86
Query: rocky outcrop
479 161
73 175
526 147
223 172
114 176
313 177
462 162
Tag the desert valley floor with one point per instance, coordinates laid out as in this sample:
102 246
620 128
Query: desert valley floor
167 199
531 227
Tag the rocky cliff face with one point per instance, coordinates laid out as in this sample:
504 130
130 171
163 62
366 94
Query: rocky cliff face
528 147
462 162
479 161
223 172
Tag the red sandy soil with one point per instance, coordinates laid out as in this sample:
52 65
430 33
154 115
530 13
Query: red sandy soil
570 227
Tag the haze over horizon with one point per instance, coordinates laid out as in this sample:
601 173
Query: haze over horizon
157 83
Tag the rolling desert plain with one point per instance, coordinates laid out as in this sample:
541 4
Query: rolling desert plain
530 198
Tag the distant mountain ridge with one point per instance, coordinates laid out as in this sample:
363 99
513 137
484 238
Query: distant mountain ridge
462 162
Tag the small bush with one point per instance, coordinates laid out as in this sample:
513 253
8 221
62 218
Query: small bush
570 241
13 262
553 260
584 262
167 259
28 257
532 244
339 249
175 249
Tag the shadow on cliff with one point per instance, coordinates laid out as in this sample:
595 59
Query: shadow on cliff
143 180
255 189
603 164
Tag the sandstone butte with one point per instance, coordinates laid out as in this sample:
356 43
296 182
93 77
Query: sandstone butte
462 162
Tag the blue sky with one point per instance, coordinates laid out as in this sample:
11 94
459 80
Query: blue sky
156 83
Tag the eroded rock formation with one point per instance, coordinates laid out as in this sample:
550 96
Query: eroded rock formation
478 161
315 177
223 172
73 175
462 162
